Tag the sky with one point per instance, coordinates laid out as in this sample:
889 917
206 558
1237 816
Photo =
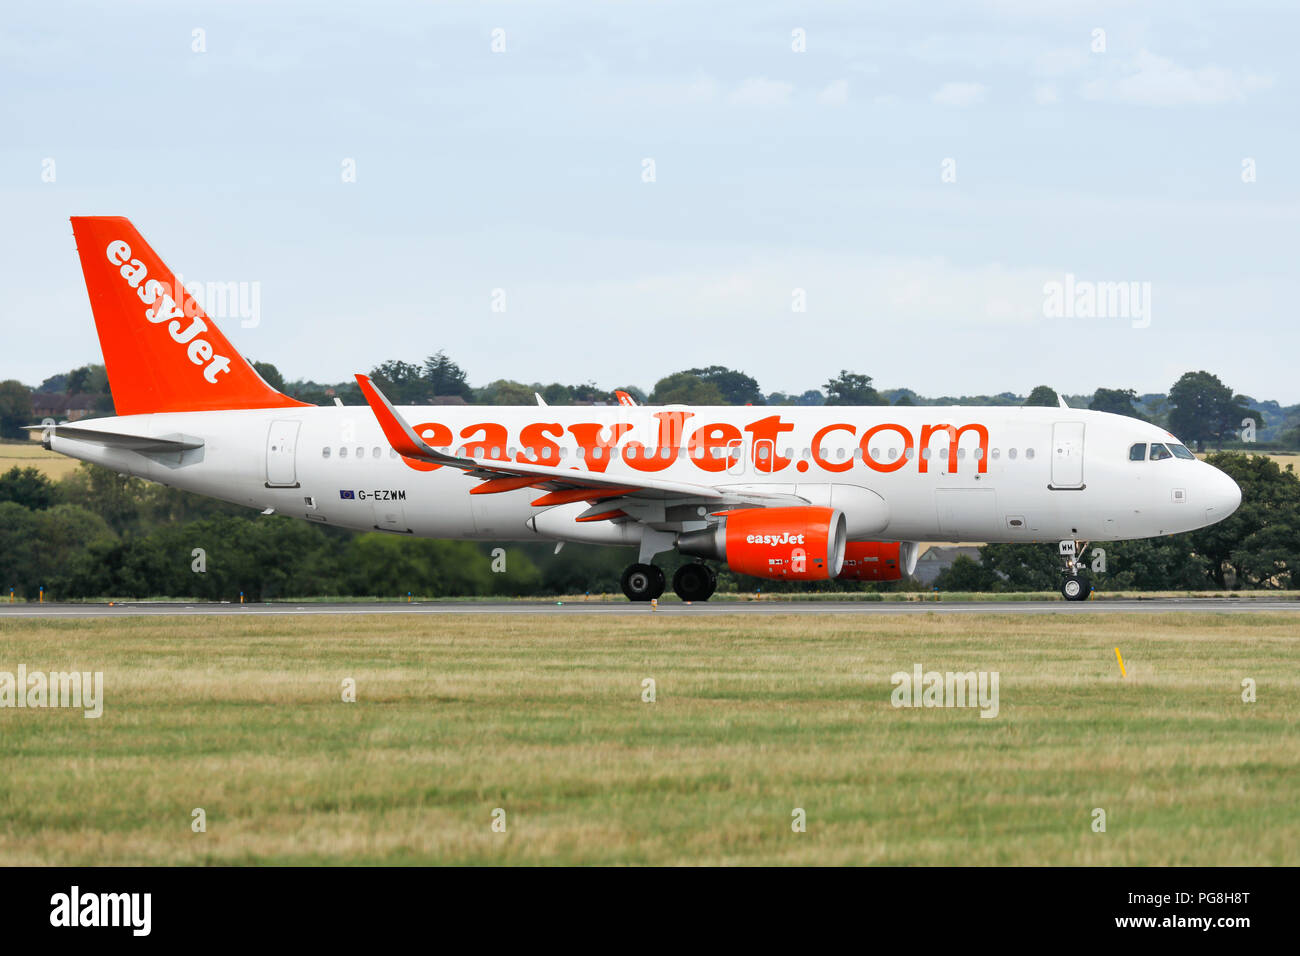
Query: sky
945 196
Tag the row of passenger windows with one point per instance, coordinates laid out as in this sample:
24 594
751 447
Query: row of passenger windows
889 454
1159 452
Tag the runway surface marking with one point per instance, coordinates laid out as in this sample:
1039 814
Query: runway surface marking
1155 606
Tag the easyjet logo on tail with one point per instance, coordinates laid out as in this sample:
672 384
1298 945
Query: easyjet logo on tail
183 324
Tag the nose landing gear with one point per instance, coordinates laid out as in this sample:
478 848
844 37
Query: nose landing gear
1076 586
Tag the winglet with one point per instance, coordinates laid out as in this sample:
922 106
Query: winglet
399 434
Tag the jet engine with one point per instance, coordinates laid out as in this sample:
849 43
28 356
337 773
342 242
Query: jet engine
878 560
802 543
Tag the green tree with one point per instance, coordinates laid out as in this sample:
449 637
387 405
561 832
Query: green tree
966 574
402 382
28 487
1169 563
445 377
15 409
505 392
115 498
89 379
737 388
1251 543
557 394
1204 409
1043 396
1024 567
686 388
1117 401
850 388
270 374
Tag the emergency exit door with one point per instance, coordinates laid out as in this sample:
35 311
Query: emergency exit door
281 455
1067 455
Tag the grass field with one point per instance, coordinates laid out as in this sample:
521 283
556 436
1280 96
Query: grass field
31 454
755 716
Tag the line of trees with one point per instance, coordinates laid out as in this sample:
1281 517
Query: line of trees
1199 408
98 534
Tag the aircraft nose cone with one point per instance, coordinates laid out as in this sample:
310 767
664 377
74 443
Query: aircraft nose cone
1223 496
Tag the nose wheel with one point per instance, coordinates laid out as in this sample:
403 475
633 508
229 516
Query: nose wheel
1076 587
695 582
643 582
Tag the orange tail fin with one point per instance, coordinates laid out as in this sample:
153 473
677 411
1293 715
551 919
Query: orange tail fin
162 352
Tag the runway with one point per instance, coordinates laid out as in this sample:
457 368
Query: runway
765 607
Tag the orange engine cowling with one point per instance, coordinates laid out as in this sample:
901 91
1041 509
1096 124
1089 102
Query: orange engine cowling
800 543
878 560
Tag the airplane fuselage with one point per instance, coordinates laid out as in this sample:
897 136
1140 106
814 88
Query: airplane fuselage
996 474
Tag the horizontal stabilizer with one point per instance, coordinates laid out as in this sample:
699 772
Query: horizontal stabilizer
145 444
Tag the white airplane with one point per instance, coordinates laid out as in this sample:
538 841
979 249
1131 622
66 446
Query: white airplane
805 493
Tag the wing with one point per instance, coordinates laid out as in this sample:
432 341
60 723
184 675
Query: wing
561 485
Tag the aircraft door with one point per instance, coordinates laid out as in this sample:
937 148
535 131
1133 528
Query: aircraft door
1067 455
281 455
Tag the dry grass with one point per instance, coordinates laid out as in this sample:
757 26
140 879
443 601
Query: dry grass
32 454
755 716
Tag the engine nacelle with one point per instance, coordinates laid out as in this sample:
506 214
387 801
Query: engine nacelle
878 560
801 543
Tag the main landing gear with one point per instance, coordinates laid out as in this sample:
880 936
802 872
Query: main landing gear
695 582
1076 585
643 582
692 582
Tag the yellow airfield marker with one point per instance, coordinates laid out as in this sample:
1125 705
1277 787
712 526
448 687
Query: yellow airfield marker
1122 672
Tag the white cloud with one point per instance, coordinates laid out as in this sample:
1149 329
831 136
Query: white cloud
1046 96
835 94
959 94
760 91
1152 80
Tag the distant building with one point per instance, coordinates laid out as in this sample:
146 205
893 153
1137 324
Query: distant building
940 558
62 407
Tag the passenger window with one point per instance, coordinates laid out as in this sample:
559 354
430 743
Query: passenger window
1180 451
1011 453
1029 453
343 452
1138 452
375 452
325 452
1159 452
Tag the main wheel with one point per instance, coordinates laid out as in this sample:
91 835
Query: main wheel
1076 588
643 582
695 582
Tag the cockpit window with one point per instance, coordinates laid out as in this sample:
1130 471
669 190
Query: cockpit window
1138 452
1159 452
1180 451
